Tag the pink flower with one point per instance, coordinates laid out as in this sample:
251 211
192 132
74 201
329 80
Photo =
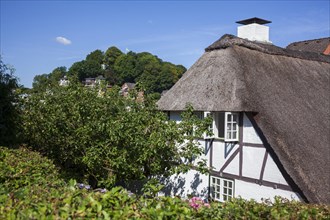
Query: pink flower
196 202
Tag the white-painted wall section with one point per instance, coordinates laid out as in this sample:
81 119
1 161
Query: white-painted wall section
257 192
218 152
254 32
250 134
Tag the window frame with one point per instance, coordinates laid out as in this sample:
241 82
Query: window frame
233 123
220 190
219 124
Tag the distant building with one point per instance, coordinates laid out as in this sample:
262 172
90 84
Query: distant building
92 82
64 81
321 45
127 87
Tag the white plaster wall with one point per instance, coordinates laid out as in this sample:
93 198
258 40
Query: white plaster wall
254 191
249 133
197 184
252 161
190 183
272 173
233 167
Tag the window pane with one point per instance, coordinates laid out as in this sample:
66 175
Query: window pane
229 118
213 180
224 198
234 117
218 189
225 190
225 183
230 192
218 181
230 184
234 135
217 195
228 135
229 127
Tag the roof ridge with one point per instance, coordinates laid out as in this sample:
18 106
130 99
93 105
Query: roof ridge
303 41
229 40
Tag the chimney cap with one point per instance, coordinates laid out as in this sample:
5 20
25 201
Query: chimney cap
253 20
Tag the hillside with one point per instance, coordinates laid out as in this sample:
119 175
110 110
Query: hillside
151 73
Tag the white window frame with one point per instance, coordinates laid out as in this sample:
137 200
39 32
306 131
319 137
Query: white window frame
215 126
222 189
234 126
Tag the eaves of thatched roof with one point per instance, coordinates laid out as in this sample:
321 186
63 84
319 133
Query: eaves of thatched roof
289 92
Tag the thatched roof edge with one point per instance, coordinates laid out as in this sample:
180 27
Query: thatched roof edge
228 40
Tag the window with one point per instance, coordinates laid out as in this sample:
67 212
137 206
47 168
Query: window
231 126
224 126
222 189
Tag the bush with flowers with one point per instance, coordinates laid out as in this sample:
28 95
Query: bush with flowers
31 188
196 203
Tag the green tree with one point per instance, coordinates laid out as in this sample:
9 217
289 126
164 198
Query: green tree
125 68
9 114
107 137
41 82
110 58
45 81
85 69
95 56
57 74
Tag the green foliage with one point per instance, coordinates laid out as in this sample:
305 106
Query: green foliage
20 168
45 81
30 188
151 73
106 137
110 57
9 114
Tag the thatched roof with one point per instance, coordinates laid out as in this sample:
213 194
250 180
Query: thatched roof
316 46
289 90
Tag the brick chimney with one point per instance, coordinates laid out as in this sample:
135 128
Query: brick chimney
254 29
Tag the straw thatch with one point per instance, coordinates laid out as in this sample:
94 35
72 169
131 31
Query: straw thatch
316 46
289 90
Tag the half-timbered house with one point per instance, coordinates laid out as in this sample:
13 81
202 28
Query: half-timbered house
271 122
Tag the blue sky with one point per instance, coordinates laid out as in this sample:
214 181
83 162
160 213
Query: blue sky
38 36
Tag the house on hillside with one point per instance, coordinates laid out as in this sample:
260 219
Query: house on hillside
64 81
92 82
126 87
271 119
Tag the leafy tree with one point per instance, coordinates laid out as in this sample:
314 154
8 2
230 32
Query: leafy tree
95 56
8 111
107 137
57 74
41 82
85 69
125 68
150 72
45 81
110 58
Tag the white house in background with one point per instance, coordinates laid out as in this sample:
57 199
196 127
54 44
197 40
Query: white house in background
64 81
270 109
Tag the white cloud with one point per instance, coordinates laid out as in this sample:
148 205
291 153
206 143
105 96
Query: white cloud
63 40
